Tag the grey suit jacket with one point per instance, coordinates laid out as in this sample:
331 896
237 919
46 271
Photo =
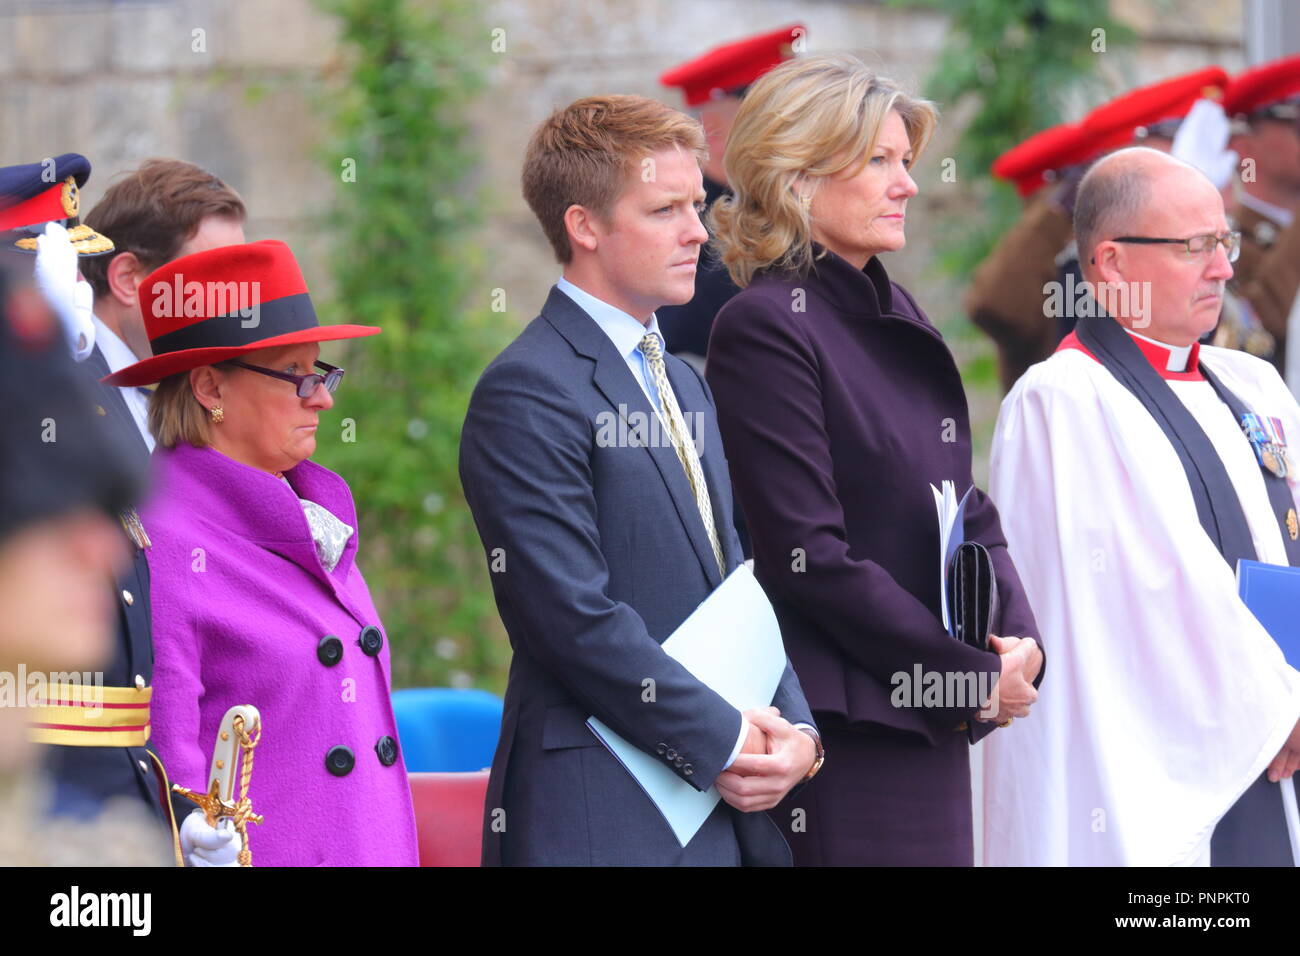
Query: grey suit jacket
597 553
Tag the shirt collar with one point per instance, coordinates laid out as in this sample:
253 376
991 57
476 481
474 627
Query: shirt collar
115 351
623 329
1171 361
1279 214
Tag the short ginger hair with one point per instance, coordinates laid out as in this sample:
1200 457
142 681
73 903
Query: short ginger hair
584 153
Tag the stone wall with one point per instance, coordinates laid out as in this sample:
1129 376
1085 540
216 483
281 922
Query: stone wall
231 85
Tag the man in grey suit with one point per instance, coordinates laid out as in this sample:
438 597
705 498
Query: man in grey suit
606 521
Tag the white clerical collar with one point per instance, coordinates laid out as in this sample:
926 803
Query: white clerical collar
116 353
1177 354
623 329
1279 214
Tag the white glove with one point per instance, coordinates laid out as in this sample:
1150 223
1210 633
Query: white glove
204 845
71 300
1202 141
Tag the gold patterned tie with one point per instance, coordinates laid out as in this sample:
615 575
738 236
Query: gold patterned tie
682 443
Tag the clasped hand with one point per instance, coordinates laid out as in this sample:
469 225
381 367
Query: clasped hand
776 755
1014 692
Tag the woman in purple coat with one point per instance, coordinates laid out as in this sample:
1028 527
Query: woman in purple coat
257 597
840 405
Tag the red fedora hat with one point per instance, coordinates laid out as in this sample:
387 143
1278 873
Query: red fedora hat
215 305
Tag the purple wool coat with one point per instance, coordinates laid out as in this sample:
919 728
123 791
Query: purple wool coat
241 607
840 405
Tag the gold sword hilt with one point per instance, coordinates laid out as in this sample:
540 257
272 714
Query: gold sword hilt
239 732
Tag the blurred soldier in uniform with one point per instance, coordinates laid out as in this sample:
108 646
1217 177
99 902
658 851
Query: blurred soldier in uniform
1006 298
61 489
165 209
1264 103
92 754
712 86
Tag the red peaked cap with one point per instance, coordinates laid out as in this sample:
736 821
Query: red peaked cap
221 303
1114 124
1056 147
733 65
1263 85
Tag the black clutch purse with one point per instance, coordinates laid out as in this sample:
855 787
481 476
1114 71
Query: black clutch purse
972 594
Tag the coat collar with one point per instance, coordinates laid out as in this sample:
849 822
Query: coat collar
258 507
865 291
613 379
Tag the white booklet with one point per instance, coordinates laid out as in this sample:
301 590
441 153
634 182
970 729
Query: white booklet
952 532
732 643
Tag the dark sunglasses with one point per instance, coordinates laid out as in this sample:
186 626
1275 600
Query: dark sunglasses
307 384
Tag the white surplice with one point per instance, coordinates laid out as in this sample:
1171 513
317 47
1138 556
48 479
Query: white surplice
1165 698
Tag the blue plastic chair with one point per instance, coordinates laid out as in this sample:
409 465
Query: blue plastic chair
447 729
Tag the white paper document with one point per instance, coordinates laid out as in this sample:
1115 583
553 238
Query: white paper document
732 643
952 534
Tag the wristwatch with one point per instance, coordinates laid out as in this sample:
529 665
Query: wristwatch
821 752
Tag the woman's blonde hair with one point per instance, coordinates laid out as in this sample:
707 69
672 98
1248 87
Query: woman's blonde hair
805 120
175 415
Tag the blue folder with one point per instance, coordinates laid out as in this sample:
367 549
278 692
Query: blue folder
1272 592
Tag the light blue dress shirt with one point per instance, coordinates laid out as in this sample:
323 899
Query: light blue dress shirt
624 331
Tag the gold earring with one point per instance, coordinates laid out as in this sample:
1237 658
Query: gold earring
218 413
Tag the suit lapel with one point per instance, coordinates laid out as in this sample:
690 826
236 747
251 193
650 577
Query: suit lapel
614 381
119 415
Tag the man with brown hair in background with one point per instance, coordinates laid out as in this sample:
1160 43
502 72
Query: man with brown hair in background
166 209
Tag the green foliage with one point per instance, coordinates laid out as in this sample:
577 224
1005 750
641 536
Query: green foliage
402 258
1020 61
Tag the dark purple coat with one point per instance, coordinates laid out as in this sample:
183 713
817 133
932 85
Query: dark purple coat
840 405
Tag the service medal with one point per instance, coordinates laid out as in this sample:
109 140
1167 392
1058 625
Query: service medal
1271 462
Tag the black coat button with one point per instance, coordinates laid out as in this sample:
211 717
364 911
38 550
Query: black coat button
386 747
688 770
372 640
679 761
339 761
671 754
660 749
330 650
